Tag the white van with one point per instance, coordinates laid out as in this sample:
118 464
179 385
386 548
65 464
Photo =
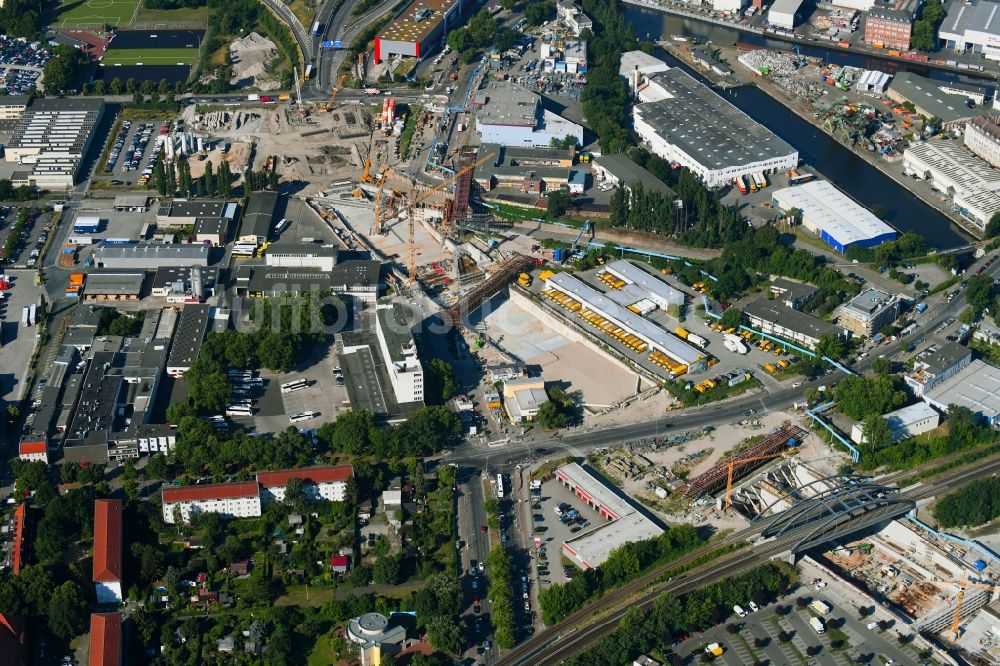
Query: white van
739 610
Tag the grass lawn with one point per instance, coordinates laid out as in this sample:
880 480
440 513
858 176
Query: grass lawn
304 11
150 56
322 653
81 13
165 18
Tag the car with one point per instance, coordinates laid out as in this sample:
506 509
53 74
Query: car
753 607
539 517
796 385
482 566
750 412
483 529
472 565
476 609
576 528
479 627
527 606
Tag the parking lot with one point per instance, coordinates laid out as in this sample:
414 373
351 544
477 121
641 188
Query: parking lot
322 395
781 634
18 342
34 234
22 54
114 224
133 151
553 531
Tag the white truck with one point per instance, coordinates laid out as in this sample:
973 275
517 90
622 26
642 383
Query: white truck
697 340
734 344
253 97
817 625
820 606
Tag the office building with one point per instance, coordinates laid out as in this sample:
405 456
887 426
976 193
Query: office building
976 387
972 184
794 295
903 423
930 370
53 137
833 216
869 312
230 500
982 137
328 483
685 122
418 29
948 101
509 115
108 551
398 348
891 26
617 520
972 27
775 319
573 17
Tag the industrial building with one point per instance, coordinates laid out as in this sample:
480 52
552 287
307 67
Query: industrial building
621 522
509 115
610 315
185 213
328 483
151 255
904 423
523 169
731 6
869 312
775 319
833 216
192 325
304 255
683 121
873 81
257 217
785 14
617 169
359 279
929 370
795 295
107 560
976 387
563 55
131 203
573 17
523 397
231 500
211 230
891 26
641 285
184 284
982 137
418 29
114 285
973 27
53 136
936 99
640 63
399 349
13 106
972 184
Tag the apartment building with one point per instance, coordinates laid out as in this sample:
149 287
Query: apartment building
869 312
329 483
982 137
231 500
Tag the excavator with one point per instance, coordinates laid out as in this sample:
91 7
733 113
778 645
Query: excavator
333 95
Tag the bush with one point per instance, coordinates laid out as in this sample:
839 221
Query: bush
975 504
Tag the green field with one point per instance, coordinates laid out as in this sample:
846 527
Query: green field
165 18
94 13
150 56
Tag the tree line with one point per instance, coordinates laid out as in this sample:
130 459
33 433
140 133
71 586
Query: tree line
501 592
605 95
976 504
174 178
624 564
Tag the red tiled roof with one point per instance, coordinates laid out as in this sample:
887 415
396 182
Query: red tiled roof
339 561
107 540
211 491
315 475
17 549
105 639
32 447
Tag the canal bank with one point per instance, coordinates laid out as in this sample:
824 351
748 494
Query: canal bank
978 71
804 110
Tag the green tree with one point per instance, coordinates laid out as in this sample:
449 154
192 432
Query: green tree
732 318
445 634
68 611
975 504
550 416
62 69
831 346
858 396
882 366
386 570
440 382
559 202
876 432
978 293
993 226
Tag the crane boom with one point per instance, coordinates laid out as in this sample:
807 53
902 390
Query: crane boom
333 95
734 463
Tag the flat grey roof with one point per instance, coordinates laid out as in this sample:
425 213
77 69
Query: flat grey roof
945 357
131 200
303 249
706 126
14 100
356 273
191 208
503 103
631 173
123 283
191 327
259 213
927 95
361 378
974 16
794 290
151 251
977 386
799 322
869 302
210 225
266 278
396 323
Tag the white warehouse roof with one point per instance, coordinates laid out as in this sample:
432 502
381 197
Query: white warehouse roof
645 63
976 386
826 208
659 291
655 336
787 7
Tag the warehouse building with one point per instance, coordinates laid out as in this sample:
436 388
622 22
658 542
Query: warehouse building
903 423
151 255
184 284
795 295
972 184
618 169
617 521
257 217
973 27
211 230
685 122
185 213
399 349
873 82
869 312
131 203
420 28
640 285
976 387
524 170
833 216
933 369
358 279
509 115
785 14
640 63
982 137
53 136
191 328
774 319
936 99
684 357
301 255
120 285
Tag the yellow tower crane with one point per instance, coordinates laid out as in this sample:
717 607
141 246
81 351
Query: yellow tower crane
962 584
734 463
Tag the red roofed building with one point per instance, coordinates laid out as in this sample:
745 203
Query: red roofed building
17 548
105 639
329 483
33 449
11 639
232 500
340 563
108 551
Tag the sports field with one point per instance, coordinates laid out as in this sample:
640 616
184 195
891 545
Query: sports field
93 13
149 56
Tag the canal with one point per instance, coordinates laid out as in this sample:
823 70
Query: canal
847 171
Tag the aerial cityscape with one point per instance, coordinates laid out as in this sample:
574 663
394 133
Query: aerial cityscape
500 332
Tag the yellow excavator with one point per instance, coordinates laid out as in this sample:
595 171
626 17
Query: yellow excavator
333 95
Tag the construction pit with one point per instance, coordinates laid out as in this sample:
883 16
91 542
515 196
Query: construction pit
312 147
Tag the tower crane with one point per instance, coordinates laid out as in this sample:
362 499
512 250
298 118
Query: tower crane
333 95
740 461
962 584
